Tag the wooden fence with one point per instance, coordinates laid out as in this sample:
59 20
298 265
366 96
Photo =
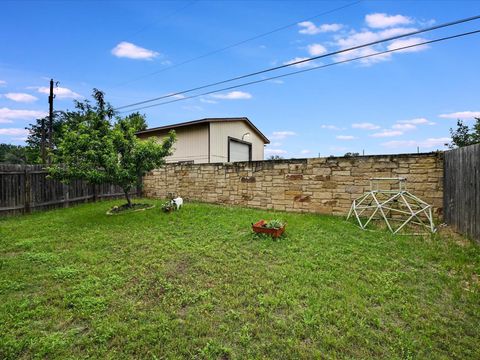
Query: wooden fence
26 188
462 190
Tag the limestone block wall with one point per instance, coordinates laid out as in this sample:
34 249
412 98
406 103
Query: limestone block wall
317 185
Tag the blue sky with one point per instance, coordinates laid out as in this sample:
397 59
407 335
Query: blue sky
390 104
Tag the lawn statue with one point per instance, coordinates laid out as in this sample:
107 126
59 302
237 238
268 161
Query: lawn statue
397 207
177 202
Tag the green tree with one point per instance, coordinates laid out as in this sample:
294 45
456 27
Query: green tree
34 139
99 147
351 154
12 154
274 157
464 136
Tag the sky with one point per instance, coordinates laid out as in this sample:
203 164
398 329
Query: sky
137 50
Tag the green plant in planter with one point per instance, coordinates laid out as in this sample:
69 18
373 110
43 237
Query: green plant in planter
275 224
168 206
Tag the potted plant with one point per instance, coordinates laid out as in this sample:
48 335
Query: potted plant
275 227
168 206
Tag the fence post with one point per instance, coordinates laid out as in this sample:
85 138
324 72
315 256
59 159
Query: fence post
94 193
27 191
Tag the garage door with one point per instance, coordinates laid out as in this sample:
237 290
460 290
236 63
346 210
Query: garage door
238 151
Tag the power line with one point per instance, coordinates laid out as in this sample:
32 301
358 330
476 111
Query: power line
213 52
436 27
310 69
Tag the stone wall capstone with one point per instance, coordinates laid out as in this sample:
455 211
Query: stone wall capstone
317 185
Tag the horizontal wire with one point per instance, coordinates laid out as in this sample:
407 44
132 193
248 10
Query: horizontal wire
238 43
307 70
452 23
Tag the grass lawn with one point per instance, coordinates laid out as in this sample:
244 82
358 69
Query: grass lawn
77 283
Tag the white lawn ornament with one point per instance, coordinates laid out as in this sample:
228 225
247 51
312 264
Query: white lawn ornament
396 207
178 202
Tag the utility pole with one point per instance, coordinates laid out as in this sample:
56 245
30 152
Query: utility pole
50 119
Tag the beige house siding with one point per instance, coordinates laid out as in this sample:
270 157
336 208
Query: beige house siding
219 133
191 144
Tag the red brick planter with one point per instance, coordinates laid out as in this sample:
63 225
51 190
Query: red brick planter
259 227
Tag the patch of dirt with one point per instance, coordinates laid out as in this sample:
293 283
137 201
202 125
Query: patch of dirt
177 268
459 239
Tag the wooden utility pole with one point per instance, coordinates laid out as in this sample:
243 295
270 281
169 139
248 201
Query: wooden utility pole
50 119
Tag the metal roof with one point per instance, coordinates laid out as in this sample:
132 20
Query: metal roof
206 120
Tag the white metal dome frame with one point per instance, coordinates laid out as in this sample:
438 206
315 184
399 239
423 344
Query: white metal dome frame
392 206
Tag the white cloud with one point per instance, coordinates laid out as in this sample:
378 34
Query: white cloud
387 33
131 51
368 36
233 95
330 127
176 96
417 121
20 97
387 133
461 115
309 28
427 143
7 115
365 126
305 64
304 152
3 83
208 101
382 20
60 92
404 127
316 49
361 38
282 134
396 44
13 131
345 137
274 151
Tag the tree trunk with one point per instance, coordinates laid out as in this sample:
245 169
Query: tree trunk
127 196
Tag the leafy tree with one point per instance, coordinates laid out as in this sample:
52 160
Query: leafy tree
99 147
274 157
351 154
464 136
34 140
12 154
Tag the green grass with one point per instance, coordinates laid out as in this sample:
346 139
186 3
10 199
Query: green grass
76 283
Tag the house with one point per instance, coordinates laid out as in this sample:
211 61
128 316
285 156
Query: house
212 140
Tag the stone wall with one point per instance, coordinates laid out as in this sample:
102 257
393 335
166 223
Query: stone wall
319 185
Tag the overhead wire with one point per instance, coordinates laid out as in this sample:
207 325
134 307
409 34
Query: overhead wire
259 36
396 37
310 69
